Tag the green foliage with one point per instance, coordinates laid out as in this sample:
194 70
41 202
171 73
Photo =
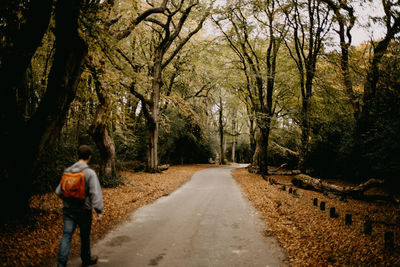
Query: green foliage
130 145
57 158
379 124
109 182
54 161
243 153
183 141
283 143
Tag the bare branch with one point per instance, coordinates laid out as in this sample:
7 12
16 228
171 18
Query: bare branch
125 33
184 41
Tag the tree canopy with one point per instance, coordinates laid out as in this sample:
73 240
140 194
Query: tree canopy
151 82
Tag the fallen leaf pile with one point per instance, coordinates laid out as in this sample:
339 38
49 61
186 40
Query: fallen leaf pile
36 243
311 237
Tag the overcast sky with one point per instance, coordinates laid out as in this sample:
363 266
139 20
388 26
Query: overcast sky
361 34
361 31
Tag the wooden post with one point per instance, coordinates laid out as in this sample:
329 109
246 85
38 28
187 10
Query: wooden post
322 205
316 202
264 177
389 241
348 220
367 226
332 212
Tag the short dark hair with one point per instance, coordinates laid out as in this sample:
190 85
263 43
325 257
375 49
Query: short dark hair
84 152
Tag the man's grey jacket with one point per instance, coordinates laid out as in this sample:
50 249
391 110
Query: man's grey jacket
94 197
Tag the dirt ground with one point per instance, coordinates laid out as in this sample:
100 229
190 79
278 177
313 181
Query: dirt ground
311 237
36 243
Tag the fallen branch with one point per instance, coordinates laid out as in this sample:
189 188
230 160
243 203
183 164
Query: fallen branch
315 184
163 167
290 172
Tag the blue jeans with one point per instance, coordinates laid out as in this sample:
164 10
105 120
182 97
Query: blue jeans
72 218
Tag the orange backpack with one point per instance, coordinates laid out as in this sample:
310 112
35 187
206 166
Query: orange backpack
73 185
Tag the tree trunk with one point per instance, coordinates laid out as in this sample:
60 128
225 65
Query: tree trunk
221 133
260 160
24 151
104 142
305 126
153 149
263 164
155 110
99 132
252 136
233 150
347 77
234 139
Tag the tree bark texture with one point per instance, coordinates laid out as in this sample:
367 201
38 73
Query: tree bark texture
261 155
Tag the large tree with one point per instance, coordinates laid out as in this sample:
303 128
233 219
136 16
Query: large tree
372 128
24 139
99 129
345 19
260 75
170 39
310 22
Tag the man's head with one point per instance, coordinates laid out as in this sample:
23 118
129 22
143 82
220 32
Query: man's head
85 152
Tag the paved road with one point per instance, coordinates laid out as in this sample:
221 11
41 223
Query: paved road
207 222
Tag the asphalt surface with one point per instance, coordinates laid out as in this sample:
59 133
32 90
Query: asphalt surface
206 222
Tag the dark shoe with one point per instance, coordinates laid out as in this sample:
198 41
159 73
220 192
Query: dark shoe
92 261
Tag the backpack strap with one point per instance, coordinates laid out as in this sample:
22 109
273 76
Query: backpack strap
84 168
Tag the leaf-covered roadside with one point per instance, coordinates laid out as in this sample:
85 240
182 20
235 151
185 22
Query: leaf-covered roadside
36 243
311 237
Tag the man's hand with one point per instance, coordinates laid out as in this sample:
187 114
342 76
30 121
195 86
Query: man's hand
99 217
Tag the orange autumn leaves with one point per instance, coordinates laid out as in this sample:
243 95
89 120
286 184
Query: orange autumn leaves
36 243
311 237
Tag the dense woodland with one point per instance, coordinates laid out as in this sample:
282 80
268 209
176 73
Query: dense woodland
153 82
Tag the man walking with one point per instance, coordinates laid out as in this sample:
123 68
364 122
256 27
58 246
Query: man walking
77 206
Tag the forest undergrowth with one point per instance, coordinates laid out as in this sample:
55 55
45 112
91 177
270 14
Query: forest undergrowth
36 242
311 237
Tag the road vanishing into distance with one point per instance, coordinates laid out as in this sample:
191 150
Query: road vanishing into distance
206 222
